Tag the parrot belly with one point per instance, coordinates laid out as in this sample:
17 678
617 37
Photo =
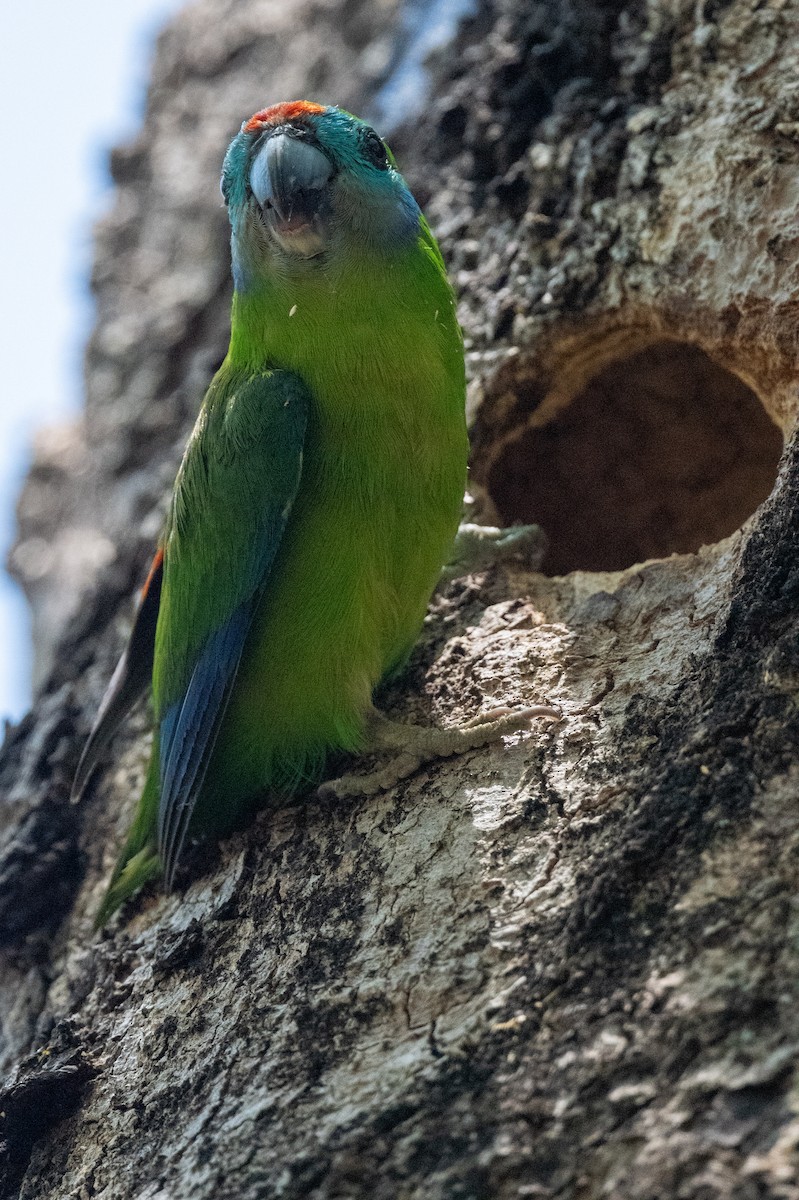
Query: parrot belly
346 599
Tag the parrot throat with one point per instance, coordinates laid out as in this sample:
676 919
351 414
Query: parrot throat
312 315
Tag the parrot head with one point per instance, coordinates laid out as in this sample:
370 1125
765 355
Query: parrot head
303 182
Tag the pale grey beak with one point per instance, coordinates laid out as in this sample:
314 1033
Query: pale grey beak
288 177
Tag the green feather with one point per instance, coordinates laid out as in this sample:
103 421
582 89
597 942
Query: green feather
139 862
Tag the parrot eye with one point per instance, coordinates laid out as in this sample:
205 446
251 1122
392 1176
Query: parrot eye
373 150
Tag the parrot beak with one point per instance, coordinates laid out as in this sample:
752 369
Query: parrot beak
289 178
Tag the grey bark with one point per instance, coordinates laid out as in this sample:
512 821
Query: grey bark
563 966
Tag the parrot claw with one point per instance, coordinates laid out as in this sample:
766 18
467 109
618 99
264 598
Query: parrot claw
414 745
478 547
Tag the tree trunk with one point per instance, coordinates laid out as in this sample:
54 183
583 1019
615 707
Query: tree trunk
566 965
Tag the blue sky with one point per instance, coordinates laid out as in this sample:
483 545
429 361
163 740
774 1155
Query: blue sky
72 83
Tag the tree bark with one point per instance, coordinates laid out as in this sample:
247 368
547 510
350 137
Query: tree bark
566 965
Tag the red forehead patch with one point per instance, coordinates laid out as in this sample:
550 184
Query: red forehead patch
281 112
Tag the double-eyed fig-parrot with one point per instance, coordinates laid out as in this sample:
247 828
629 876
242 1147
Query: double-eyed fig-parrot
316 501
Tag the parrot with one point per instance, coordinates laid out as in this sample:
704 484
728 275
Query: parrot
315 504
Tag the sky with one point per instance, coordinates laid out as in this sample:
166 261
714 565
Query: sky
72 84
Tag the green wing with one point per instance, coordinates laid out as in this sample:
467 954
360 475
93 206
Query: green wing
232 499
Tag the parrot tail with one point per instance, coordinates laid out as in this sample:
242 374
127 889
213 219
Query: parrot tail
139 862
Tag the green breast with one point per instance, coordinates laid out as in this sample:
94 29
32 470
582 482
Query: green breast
380 497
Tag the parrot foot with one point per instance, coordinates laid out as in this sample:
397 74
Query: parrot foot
478 547
414 745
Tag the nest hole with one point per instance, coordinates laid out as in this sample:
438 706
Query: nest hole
661 452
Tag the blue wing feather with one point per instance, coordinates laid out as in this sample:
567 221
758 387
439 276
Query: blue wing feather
188 733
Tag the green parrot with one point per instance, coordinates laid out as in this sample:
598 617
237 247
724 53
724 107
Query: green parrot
316 502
